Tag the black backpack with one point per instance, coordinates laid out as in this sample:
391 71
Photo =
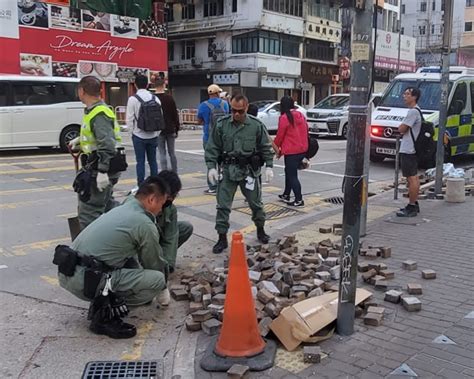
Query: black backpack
425 146
150 116
313 147
216 113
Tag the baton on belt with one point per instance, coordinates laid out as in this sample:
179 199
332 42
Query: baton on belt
73 222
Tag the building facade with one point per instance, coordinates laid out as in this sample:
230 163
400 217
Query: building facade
262 48
465 54
424 20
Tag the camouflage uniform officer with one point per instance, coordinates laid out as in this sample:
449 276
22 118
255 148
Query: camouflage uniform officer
240 145
99 138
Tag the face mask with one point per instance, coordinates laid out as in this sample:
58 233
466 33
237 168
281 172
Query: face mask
167 204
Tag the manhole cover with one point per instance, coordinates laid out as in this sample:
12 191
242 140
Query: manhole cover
273 211
336 200
123 369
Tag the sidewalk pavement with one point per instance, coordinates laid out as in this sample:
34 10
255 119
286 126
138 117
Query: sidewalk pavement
49 339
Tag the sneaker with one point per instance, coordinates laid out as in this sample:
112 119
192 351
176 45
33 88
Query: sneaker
417 206
408 211
296 203
210 191
163 297
284 198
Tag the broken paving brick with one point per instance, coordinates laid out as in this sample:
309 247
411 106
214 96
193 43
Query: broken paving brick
385 252
363 267
393 296
325 229
201 315
211 327
194 306
324 275
414 289
375 309
428 274
387 274
373 319
179 295
191 325
411 303
264 326
238 371
219 299
269 286
409 265
312 354
265 296
335 272
366 276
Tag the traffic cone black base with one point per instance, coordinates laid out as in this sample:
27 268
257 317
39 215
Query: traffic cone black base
263 361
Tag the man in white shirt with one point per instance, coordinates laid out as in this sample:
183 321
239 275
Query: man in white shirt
144 143
409 129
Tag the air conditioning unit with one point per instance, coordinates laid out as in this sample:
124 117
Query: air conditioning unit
217 57
196 61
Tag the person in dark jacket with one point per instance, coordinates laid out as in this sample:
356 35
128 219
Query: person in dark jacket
292 142
167 137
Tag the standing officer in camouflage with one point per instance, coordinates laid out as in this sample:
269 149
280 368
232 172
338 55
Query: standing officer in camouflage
98 140
240 145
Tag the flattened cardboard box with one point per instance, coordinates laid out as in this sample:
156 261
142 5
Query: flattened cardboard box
301 320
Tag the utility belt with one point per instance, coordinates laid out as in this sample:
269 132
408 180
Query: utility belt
255 161
117 164
67 259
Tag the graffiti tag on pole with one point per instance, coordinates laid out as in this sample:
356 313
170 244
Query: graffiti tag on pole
348 248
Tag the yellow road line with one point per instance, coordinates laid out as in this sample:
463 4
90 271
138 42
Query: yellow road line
40 189
142 333
50 280
21 204
31 180
67 215
37 162
35 156
23 249
36 170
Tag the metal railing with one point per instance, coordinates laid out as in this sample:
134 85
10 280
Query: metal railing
187 116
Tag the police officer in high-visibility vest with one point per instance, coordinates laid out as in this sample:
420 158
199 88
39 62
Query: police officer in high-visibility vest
98 141
240 145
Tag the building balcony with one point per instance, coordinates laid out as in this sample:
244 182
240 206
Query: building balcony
199 27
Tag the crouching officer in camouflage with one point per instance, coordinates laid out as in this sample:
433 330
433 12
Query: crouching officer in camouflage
98 141
173 233
117 261
240 145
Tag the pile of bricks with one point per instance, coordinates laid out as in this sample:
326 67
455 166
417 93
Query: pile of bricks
281 274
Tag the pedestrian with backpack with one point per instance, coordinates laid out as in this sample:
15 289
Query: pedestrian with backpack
410 130
209 112
145 120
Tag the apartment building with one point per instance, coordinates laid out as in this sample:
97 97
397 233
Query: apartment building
424 20
262 48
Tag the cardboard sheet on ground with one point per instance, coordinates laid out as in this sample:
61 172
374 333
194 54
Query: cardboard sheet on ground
299 322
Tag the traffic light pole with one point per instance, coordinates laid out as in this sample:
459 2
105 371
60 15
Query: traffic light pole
443 109
354 174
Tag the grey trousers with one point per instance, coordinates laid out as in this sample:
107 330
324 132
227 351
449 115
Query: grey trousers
167 142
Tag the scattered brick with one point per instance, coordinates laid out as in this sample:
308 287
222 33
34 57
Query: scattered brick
179 295
363 267
325 230
264 326
324 276
334 254
311 354
316 292
323 250
331 261
318 282
265 296
335 272
414 289
387 274
393 296
366 276
385 252
428 274
201 315
371 254
219 299
238 371
326 242
269 286
298 296
206 299
381 284
373 319
331 287
359 311
288 278
211 327
310 259
310 250
191 325
411 304
254 275
215 309
410 265
272 310
193 307
375 309
374 279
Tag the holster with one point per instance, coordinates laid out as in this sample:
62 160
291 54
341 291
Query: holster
66 259
82 184
92 280
256 161
118 163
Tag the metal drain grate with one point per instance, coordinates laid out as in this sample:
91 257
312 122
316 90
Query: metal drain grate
336 200
273 211
123 369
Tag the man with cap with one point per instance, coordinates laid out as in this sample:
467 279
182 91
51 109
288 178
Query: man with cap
208 113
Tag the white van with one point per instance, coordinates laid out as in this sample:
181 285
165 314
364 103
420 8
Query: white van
391 111
39 111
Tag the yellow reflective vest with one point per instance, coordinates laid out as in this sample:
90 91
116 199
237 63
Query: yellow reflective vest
87 138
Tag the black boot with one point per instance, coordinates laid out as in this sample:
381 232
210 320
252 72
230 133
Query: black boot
417 206
114 328
262 236
408 211
221 244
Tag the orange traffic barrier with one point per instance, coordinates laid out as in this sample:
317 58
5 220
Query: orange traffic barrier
240 335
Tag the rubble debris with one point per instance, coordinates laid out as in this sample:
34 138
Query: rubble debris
414 289
238 371
393 296
411 303
312 354
325 230
373 319
211 327
409 265
428 274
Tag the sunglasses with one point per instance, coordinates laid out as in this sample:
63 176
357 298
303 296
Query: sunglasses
239 111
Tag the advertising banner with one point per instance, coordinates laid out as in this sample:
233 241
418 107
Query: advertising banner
386 54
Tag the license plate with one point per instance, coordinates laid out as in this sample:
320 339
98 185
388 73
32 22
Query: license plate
384 150
317 127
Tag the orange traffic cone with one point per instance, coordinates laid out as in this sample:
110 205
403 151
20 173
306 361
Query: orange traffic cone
240 336
239 340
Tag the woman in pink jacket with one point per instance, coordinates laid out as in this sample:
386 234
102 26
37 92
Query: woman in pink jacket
292 142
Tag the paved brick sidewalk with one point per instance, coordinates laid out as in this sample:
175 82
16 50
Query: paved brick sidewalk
443 241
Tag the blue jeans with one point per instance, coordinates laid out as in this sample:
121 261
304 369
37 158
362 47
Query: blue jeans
292 182
145 146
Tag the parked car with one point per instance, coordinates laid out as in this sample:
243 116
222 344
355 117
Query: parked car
330 116
269 113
